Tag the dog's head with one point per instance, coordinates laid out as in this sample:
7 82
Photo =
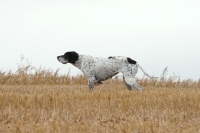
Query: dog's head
68 57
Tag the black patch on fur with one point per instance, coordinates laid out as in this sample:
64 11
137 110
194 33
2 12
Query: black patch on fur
71 57
131 61
111 57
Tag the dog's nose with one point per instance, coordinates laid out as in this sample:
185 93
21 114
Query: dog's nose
58 57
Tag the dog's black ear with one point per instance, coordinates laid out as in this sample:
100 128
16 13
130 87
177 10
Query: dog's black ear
71 56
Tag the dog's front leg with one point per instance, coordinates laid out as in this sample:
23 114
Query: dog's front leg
91 81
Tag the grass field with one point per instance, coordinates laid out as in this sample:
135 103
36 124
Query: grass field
43 101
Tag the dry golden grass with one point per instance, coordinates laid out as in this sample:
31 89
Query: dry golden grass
41 101
108 108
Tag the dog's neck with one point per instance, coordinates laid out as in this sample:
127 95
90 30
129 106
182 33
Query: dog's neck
78 62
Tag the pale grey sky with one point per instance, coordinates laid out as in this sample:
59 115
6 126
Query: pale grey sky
156 33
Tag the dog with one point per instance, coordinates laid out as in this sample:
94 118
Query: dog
97 69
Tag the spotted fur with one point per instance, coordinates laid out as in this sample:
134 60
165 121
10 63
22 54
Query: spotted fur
97 69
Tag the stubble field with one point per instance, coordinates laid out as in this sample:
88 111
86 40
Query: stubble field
45 102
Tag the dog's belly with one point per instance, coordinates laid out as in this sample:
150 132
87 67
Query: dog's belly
104 76
106 70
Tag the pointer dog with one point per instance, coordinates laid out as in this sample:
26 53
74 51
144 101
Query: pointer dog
98 69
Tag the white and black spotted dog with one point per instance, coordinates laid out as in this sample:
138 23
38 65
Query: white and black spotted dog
98 69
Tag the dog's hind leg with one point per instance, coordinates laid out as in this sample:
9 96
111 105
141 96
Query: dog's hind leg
130 82
135 85
127 86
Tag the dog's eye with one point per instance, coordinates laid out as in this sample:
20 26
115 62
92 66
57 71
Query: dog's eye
66 58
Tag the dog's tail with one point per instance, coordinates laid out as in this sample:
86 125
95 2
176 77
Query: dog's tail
144 71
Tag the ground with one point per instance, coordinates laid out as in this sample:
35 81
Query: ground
108 108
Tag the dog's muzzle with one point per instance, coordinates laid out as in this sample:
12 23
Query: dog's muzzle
58 58
61 59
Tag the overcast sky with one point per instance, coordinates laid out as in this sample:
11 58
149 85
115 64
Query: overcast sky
156 33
